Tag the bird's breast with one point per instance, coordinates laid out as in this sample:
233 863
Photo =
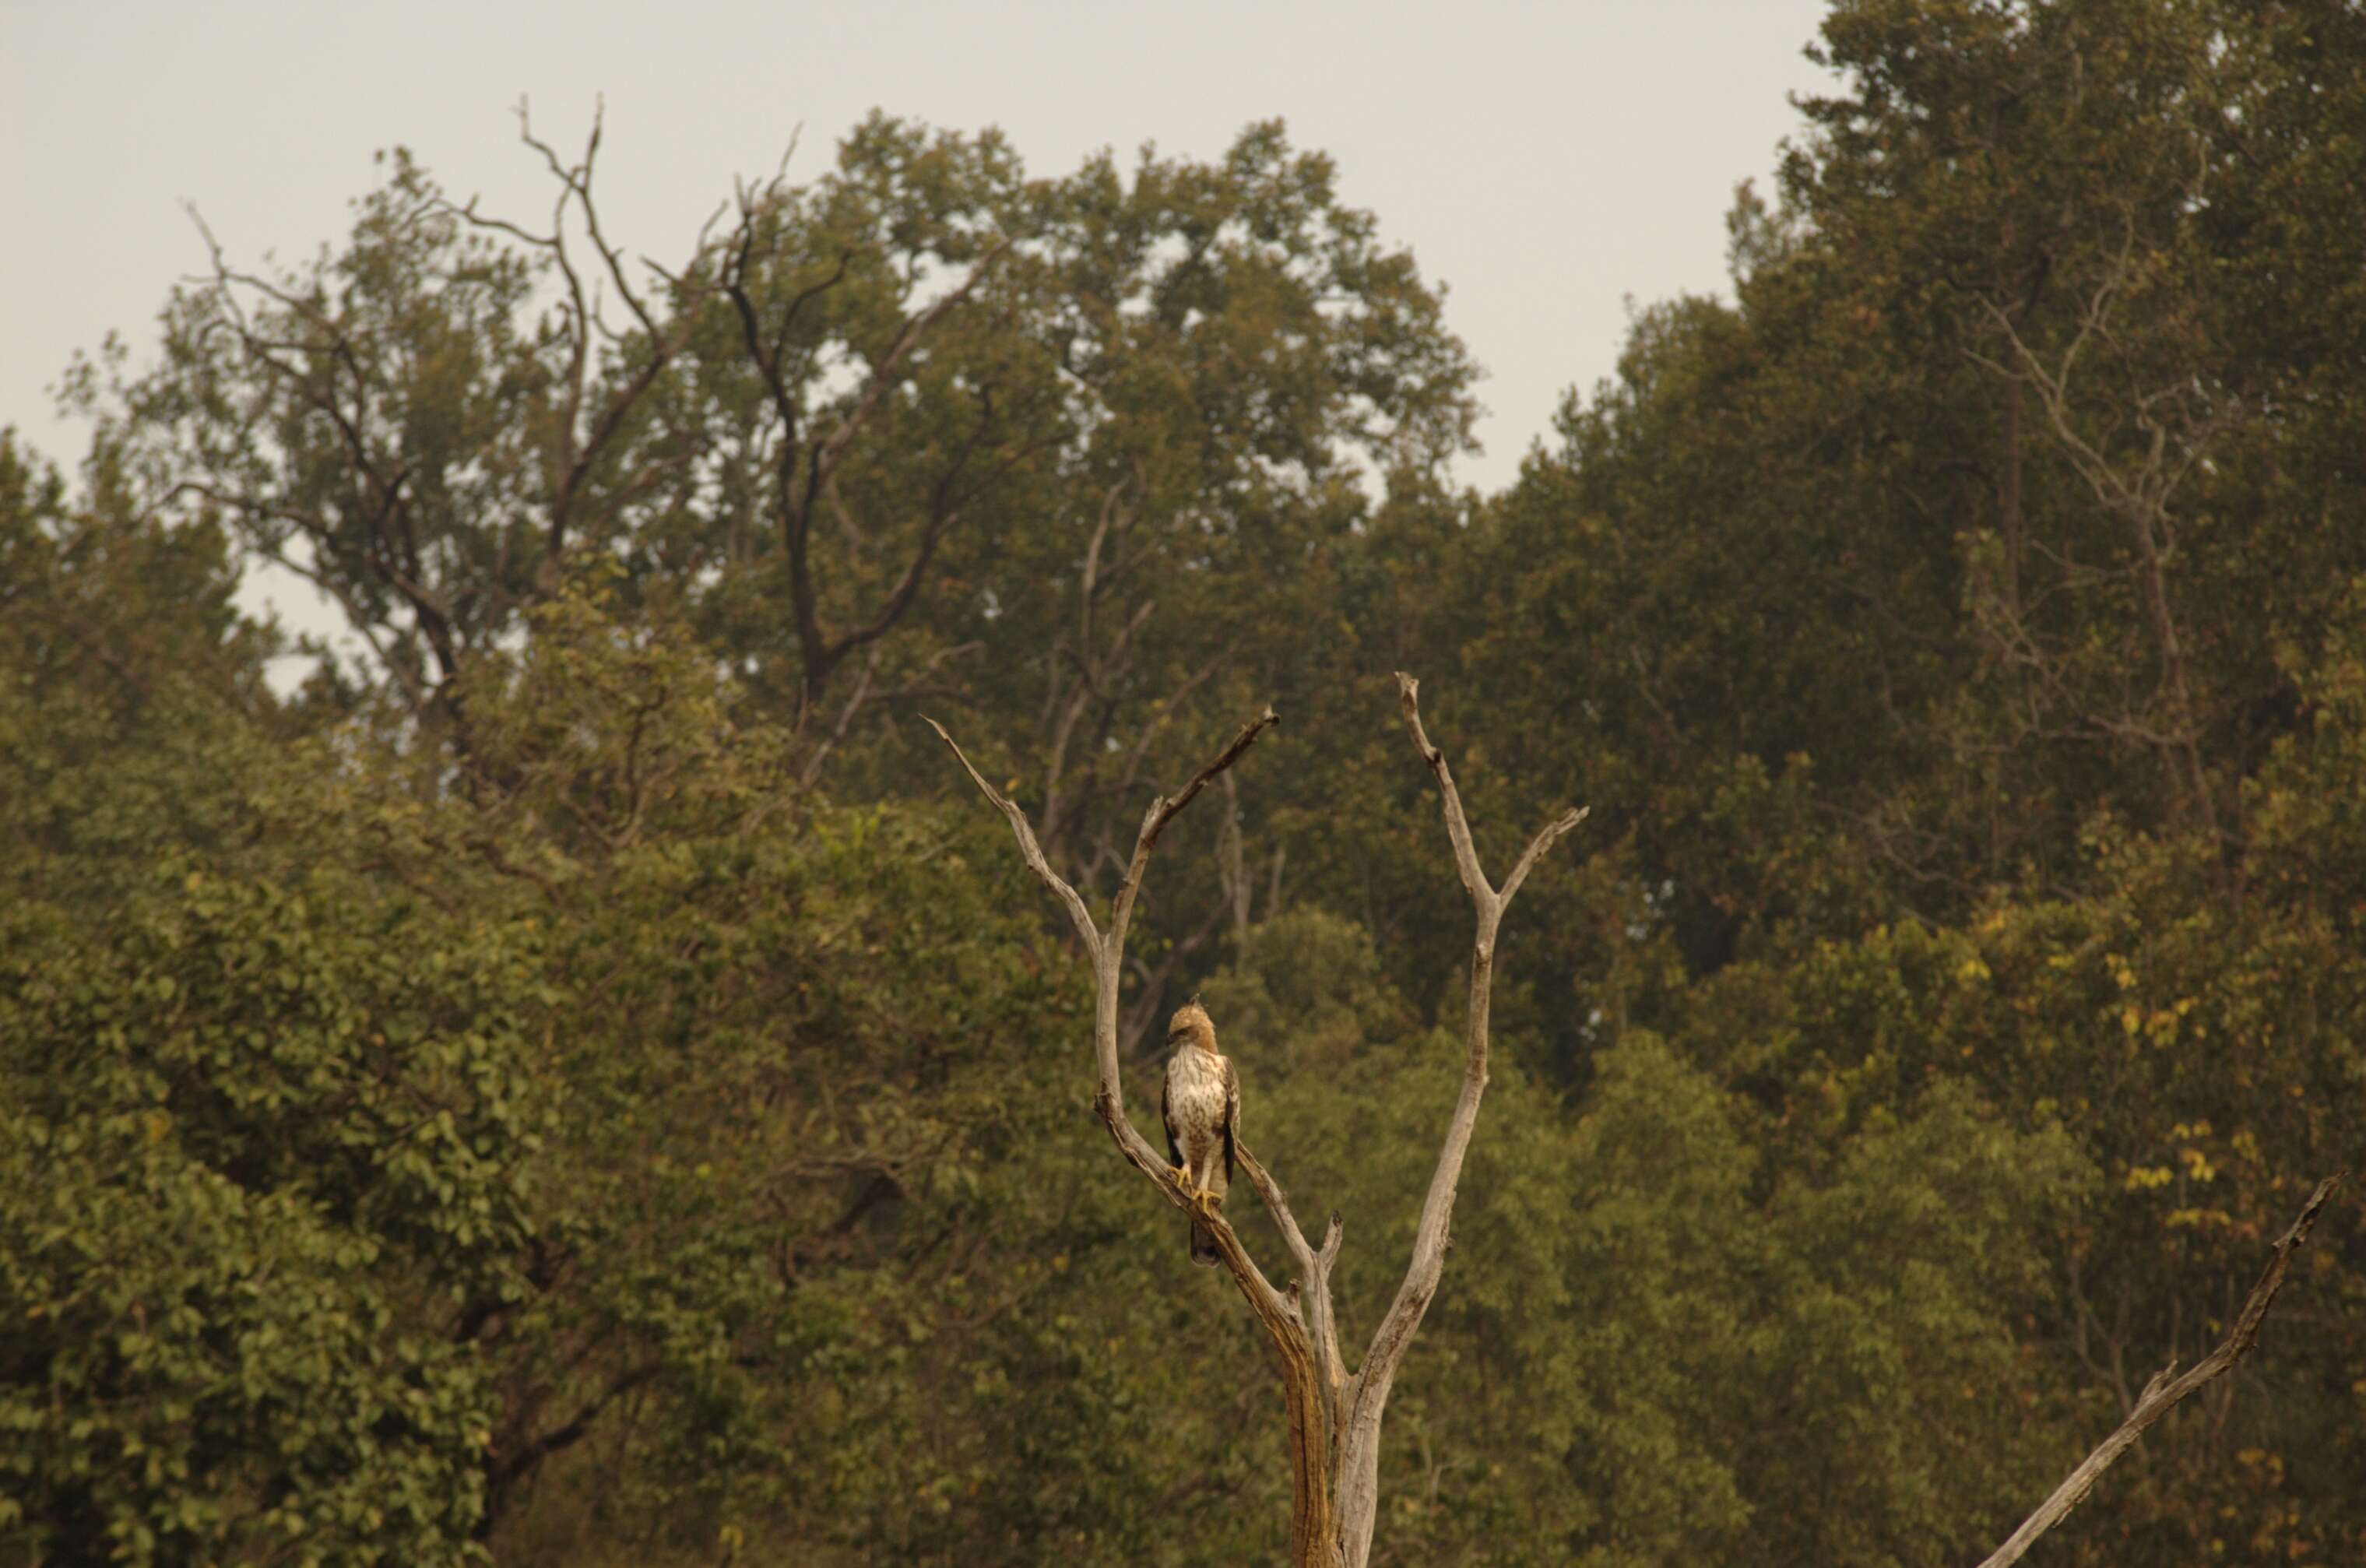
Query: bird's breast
1195 1087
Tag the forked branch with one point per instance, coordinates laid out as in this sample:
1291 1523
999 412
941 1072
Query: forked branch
1335 1419
1107 949
1361 1440
1304 1339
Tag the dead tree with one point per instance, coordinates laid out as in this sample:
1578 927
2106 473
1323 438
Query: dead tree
2148 423
1333 1415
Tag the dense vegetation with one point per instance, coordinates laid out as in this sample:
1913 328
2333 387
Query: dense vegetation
586 1082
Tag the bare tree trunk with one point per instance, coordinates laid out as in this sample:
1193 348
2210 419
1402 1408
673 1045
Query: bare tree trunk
1359 1461
1333 1419
1291 1327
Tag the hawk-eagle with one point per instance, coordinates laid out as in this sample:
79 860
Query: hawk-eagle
1201 1108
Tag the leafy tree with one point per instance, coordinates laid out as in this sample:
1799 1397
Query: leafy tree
799 1047
257 1144
125 661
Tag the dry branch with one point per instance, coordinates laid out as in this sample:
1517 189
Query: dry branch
1361 1440
1306 1357
2163 1391
1334 1418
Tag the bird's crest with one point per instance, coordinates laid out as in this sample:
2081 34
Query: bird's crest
1192 1025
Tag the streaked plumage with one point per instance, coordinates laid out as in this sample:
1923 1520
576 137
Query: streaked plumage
1201 1108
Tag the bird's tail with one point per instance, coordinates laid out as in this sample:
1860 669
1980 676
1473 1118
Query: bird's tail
1203 1246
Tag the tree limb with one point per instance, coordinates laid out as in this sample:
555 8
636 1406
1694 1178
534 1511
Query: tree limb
2163 1392
1308 1359
1335 1419
1359 1467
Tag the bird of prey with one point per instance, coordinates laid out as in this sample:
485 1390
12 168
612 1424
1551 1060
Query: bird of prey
1201 1108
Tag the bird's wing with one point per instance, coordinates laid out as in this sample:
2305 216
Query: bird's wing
1174 1146
1232 1114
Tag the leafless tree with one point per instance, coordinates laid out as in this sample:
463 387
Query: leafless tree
1334 1416
2130 410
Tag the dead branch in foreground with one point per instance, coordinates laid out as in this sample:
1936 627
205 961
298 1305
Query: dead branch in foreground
2163 1392
1333 1417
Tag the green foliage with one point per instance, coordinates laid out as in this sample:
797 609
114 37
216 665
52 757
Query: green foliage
258 1143
582 1085
125 665
1642 1304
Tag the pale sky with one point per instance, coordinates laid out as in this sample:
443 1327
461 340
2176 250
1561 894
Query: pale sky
1547 162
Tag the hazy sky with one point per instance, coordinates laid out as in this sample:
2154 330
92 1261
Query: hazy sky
1546 161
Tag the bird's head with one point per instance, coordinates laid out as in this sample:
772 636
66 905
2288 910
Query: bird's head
1191 1026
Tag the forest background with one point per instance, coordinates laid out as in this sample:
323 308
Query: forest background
586 1082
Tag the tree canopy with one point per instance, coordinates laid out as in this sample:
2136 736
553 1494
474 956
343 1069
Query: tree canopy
581 1080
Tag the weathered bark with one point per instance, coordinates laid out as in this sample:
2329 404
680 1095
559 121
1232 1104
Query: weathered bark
1359 1442
1333 1419
1313 1530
